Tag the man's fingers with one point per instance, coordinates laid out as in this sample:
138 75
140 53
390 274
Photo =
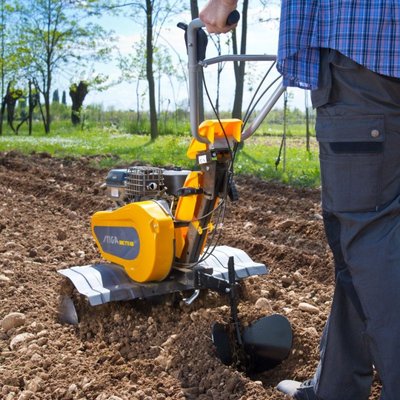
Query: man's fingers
215 15
226 29
214 27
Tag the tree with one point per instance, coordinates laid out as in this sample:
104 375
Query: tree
4 13
216 40
149 67
55 33
78 93
56 97
64 98
240 66
163 65
194 9
156 12
10 100
132 68
9 64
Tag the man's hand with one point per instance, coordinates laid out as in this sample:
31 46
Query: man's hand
215 14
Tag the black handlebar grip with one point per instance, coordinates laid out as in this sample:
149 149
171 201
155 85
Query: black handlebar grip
233 18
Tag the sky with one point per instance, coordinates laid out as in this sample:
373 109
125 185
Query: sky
262 39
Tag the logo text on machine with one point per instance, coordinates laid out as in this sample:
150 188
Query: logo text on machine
110 239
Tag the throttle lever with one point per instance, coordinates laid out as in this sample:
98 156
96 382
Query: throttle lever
202 41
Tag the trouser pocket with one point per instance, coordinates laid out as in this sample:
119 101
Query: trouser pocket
351 156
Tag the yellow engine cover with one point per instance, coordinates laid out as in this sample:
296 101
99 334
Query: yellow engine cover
139 237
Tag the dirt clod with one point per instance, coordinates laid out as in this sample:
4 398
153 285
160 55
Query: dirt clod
13 320
61 235
308 308
20 340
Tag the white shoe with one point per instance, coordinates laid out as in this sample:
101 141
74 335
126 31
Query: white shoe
288 387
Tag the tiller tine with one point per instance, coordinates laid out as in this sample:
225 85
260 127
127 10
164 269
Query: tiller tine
222 340
267 342
257 348
67 312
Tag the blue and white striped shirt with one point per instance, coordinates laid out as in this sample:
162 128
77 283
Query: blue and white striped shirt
367 31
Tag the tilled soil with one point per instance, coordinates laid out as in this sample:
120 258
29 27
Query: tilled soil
145 350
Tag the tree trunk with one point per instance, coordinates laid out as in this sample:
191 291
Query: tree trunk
10 99
239 67
64 98
31 107
2 110
46 94
2 72
138 113
37 100
149 69
77 94
47 119
194 9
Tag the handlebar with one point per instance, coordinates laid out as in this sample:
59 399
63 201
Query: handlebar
194 67
194 70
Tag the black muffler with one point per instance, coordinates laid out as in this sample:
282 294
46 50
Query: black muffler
259 347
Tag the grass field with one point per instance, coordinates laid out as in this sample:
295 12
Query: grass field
258 157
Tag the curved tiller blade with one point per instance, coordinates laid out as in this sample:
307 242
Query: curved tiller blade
222 342
267 342
67 312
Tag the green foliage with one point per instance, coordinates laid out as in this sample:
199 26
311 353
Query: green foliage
260 159
169 123
52 34
273 123
9 58
117 148
133 66
60 112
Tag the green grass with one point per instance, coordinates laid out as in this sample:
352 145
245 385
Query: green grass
298 168
116 148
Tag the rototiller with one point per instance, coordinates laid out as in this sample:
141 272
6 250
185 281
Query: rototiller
162 236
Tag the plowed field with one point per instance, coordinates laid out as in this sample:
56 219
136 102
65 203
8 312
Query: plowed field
138 350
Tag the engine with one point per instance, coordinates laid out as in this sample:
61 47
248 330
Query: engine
141 183
140 234
164 217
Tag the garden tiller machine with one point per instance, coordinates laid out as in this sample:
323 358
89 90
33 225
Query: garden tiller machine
162 236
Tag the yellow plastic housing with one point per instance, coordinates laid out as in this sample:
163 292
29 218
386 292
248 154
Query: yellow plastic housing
211 130
139 237
185 210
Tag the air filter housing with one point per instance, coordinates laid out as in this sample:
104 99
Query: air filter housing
144 183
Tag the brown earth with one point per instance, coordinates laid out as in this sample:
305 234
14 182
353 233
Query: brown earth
138 350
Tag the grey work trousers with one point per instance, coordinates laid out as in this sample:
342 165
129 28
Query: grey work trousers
358 130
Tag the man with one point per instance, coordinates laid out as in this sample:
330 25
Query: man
348 53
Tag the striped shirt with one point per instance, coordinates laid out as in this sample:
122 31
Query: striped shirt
367 31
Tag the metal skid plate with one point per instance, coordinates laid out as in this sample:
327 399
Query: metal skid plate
106 282
244 265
